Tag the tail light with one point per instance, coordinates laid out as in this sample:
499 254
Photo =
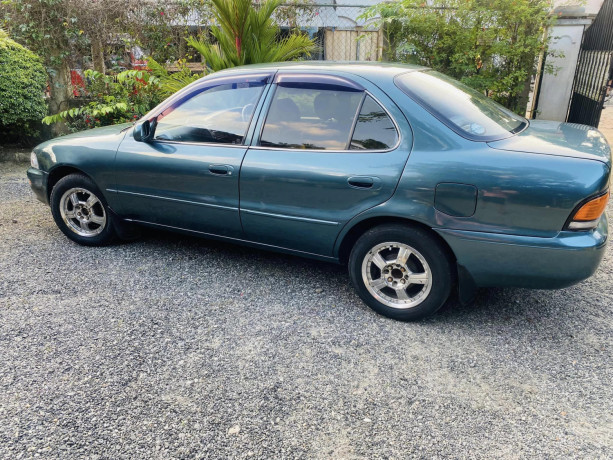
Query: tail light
588 214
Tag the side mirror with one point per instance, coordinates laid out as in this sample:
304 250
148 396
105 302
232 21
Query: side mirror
144 131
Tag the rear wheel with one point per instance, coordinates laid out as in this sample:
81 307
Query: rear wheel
80 212
400 271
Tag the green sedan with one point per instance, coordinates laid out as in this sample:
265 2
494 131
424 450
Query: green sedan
420 185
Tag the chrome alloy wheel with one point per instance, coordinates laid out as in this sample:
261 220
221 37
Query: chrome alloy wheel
396 275
83 212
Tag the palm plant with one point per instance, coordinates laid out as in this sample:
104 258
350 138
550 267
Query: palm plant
169 83
248 34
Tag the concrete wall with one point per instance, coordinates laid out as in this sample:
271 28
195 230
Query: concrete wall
555 92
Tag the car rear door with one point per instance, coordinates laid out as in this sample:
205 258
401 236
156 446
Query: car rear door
325 149
187 176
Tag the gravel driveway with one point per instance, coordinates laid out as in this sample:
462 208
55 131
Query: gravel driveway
176 347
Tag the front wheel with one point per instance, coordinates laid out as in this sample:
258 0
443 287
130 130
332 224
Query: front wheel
401 272
80 212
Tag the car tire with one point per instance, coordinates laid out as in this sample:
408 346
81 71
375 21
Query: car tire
81 212
400 271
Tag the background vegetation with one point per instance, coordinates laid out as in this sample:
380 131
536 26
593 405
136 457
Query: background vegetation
69 34
22 85
243 35
112 99
491 45
80 33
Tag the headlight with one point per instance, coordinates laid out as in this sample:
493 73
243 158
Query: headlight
34 160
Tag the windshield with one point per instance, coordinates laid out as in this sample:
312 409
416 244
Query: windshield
466 111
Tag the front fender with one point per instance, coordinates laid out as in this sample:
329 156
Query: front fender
92 152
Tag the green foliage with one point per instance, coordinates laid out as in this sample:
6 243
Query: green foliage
163 27
22 85
247 34
169 83
72 34
490 45
112 99
124 97
48 27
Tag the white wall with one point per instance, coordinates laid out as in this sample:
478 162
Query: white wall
555 92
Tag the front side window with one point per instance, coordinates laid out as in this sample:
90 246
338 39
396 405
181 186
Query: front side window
466 111
218 114
314 117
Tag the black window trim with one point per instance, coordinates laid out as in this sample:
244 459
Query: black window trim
256 142
355 121
198 90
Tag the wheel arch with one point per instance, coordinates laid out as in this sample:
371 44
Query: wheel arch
359 228
465 283
60 171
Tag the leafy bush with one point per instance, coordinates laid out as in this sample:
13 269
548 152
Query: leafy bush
491 45
112 99
161 27
169 83
22 84
124 97
246 34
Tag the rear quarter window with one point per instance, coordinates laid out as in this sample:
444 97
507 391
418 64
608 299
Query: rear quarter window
374 130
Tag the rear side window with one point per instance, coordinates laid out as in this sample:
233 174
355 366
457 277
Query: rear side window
319 118
374 129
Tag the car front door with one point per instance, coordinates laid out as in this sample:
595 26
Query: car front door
325 151
187 175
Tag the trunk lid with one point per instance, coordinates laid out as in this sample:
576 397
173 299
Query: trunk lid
561 139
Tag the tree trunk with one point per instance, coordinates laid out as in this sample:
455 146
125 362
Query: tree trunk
98 55
60 87
388 51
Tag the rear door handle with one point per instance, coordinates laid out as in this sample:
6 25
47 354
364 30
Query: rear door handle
363 182
221 170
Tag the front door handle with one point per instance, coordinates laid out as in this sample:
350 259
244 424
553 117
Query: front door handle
363 182
221 170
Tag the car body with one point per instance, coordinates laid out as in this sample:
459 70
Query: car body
267 165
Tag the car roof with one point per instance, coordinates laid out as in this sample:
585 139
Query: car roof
369 70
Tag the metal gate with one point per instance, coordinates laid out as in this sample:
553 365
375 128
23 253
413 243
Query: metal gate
594 68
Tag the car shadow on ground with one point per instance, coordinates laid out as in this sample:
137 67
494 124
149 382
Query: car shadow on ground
494 304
